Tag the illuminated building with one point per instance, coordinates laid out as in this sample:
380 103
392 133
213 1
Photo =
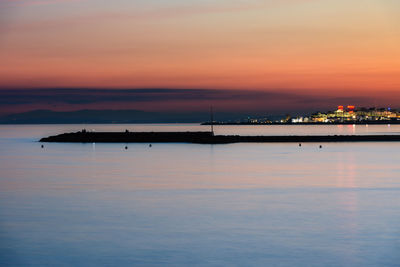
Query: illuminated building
351 115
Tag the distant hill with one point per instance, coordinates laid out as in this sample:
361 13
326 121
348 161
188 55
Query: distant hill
110 116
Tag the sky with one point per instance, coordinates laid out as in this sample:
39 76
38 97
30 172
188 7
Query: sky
319 48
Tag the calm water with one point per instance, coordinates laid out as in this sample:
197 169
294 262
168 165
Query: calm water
204 205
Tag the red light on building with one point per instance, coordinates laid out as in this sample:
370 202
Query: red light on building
351 107
340 108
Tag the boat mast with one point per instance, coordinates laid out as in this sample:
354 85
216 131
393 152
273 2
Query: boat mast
212 120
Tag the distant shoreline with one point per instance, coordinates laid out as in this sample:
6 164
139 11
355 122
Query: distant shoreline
303 123
206 138
207 123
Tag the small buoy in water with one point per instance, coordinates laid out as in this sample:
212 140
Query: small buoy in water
150 145
320 146
126 147
42 146
299 144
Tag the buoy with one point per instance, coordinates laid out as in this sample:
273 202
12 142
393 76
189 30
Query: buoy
299 144
150 145
42 146
126 147
320 146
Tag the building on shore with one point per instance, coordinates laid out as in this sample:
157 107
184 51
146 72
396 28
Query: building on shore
351 114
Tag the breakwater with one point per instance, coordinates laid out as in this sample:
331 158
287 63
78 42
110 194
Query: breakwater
206 138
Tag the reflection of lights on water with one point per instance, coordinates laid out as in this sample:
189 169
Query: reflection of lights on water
351 128
346 171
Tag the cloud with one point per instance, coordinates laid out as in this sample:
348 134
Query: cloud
177 100
35 2
145 12
190 5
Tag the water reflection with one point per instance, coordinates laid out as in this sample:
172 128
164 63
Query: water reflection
347 172
35 133
185 204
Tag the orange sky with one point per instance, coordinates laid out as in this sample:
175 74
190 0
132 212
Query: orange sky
299 45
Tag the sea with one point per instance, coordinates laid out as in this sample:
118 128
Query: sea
246 204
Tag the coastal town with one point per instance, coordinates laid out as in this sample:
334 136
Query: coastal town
351 114
342 115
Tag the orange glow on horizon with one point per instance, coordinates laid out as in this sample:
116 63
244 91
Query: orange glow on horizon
299 45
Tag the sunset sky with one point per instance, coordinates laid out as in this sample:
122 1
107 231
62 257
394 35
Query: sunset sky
311 47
